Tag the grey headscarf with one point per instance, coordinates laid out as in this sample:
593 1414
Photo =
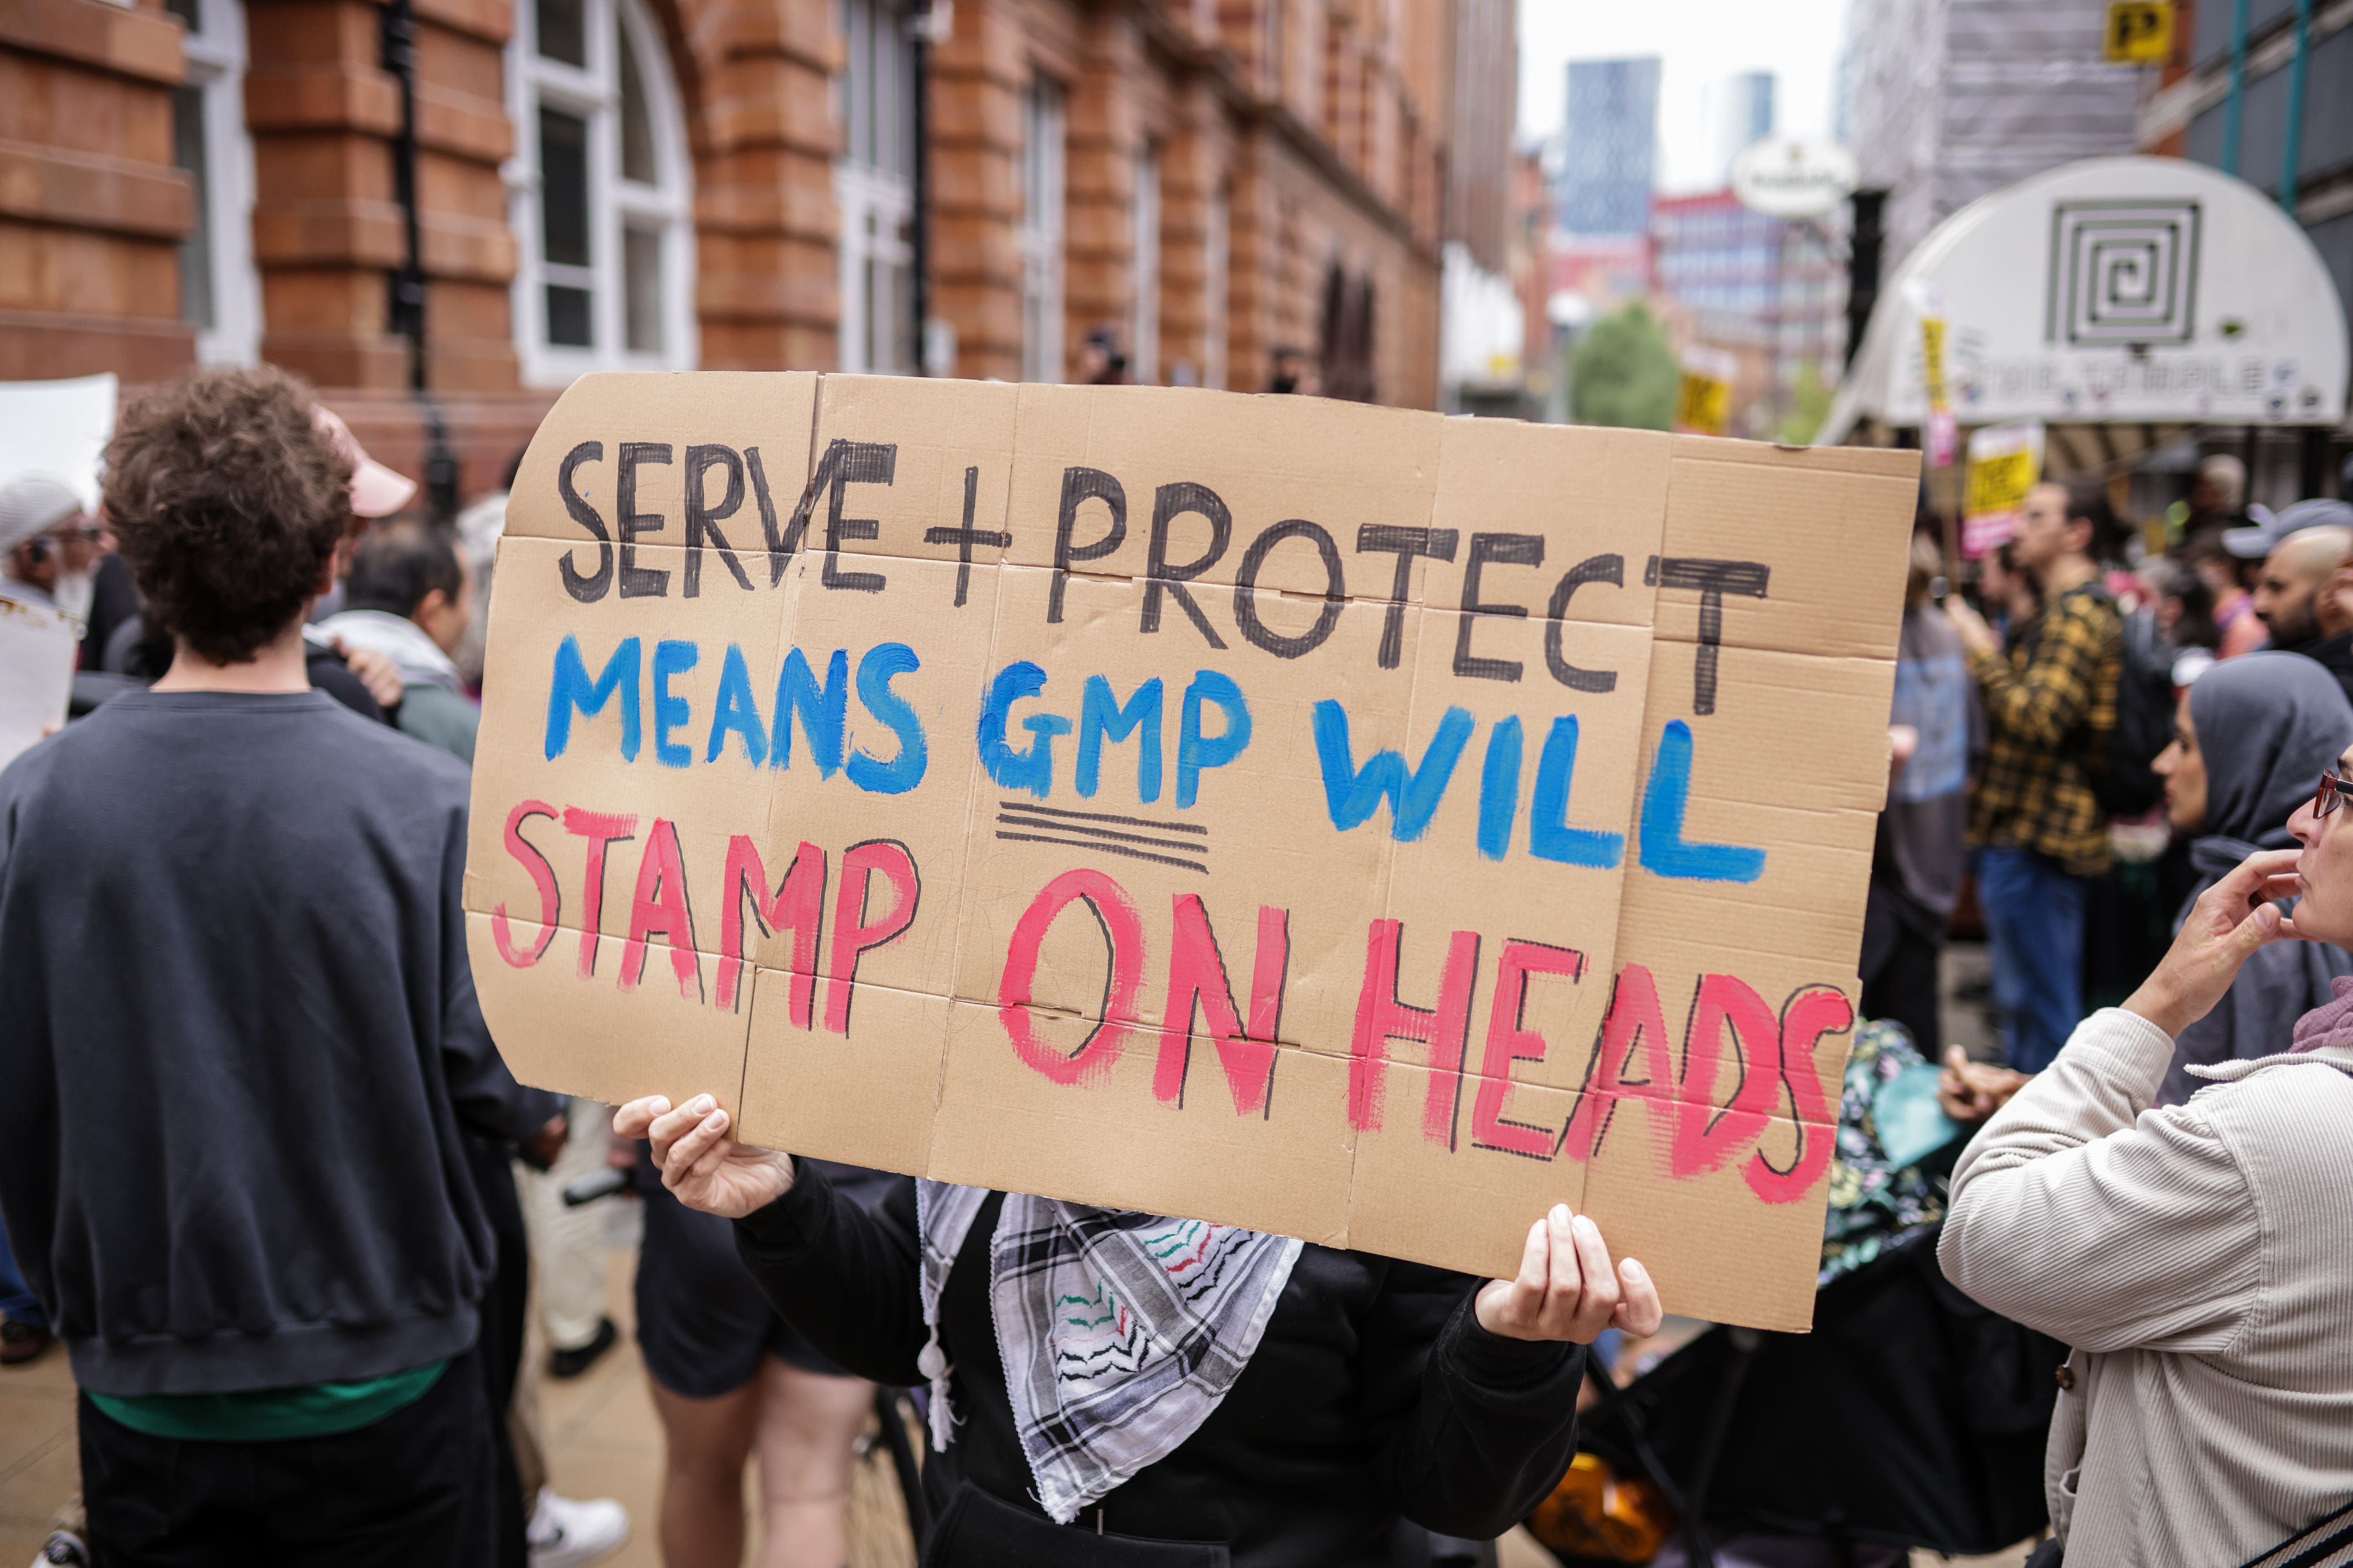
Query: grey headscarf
2267 725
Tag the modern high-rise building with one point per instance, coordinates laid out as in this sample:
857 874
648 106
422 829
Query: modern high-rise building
1743 114
1611 149
1953 99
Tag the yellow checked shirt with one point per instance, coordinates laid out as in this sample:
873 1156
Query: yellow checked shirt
2049 709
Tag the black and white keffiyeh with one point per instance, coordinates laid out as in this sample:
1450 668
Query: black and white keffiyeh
1119 1332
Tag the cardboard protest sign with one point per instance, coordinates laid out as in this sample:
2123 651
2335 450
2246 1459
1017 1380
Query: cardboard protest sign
1339 821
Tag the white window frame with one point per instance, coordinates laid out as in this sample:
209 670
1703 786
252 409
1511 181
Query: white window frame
216 54
1144 329
616 206
876 203
1045 127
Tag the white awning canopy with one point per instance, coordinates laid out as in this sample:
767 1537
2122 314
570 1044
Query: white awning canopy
2143 291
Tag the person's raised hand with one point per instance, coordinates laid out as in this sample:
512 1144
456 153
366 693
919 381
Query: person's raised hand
1977 635
1566 1290
1971 1091
377 673
2228 922
705 1168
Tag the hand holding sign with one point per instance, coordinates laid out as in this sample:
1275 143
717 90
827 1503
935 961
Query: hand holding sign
705 1168
1565 1288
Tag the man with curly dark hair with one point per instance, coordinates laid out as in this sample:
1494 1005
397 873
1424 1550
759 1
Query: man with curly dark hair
242 1044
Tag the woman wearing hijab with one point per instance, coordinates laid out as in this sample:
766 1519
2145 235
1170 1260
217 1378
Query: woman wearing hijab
2248 740
2197 1257
1128 1391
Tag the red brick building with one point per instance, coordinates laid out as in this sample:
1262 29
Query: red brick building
719 184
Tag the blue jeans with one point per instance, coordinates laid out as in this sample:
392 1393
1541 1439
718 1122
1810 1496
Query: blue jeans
16 1303
2034 917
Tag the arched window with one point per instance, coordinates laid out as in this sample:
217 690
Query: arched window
602 193
220 293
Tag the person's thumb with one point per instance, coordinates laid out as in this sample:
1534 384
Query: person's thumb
2254 931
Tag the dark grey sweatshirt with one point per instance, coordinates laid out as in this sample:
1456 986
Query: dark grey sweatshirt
237 1038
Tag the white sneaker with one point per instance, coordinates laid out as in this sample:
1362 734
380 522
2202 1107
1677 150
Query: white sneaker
566 1533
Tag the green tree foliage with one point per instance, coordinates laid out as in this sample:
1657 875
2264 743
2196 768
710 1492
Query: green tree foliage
1809 404
1624 373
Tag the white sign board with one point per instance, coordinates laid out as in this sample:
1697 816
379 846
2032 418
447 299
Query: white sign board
1783 177
2114 290
58 430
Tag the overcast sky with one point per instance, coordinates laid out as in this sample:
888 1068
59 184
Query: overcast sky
1702 42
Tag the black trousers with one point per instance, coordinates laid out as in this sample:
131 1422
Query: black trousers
1902 942
414 1488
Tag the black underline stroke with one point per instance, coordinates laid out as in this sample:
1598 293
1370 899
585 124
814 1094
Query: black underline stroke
1012 818
1104 816
1106 849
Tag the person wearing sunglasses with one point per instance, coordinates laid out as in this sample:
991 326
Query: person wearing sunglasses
2198 1258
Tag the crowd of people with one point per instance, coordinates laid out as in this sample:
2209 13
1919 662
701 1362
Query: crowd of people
307 1241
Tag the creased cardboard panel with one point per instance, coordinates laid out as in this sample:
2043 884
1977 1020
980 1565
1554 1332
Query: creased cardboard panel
1594 499
1430 1188
1267 459
1108 1138
865 1096
669 805
587 1033
1779 790
770 412
905 770
1565 899
1832 539
1716 1248
1257 834
936 431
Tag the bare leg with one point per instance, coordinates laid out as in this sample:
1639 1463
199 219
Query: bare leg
703 1475
807 1423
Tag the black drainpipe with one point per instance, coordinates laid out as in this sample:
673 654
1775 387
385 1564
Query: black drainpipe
407 298
919 226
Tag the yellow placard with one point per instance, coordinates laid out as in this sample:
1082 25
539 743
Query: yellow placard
1702 403
2139 32
1999 483
1932 359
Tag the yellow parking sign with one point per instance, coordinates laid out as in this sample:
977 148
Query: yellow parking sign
2140 32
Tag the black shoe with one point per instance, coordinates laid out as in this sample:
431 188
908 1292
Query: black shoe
572 1363
22 1342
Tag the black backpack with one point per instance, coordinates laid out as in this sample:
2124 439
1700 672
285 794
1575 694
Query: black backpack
2123 782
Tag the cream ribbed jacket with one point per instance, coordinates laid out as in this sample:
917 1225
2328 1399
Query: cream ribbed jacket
2199 1260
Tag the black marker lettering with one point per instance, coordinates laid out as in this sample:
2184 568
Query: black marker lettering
1335 590
1609 569
592 587
1168 503
637 582
1082 484
703 519
1405 543
855 463
964 538
780 545
1510 549
1712 580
